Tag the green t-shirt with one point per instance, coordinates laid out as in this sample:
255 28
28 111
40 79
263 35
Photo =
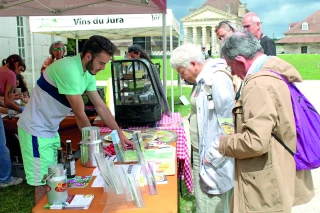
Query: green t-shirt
69 77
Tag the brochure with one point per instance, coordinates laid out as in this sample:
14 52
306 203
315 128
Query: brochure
160 178
79 182
78 201
226 125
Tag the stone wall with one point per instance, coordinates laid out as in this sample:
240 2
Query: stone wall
312 48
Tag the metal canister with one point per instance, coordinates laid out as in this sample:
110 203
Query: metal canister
90 133
87 150
57 189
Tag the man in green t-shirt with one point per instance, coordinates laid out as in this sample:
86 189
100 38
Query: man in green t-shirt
57 92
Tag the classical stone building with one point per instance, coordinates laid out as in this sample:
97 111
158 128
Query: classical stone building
199 25
303 37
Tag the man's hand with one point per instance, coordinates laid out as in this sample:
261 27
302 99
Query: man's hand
126 143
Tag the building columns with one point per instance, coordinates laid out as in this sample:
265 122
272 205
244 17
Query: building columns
194 33
213 40
185 35
204 36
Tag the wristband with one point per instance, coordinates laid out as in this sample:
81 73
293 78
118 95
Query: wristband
22 108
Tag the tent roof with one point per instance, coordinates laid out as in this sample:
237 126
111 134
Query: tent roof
110 26
76 7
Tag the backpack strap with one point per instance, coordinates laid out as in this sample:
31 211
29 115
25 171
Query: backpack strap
283 144
274 135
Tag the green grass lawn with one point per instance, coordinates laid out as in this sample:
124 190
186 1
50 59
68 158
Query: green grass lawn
17 199
306 64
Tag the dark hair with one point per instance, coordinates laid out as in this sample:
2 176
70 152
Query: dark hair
96 44
22 83
11 60
224 24
136 48
54 44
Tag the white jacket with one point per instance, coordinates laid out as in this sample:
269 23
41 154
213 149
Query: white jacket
219 175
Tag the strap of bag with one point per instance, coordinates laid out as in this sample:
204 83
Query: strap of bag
283 144
276 137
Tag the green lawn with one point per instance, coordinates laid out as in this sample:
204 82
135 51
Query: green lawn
17 199
306 64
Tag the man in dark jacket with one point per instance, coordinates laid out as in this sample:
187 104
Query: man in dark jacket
251 22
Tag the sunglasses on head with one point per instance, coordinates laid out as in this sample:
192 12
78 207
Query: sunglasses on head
56 49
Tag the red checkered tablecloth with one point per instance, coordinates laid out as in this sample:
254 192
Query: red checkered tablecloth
174 119
184 169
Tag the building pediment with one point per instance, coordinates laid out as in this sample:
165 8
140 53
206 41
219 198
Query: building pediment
207 12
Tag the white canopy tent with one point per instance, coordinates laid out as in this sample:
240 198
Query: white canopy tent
89 7
110 26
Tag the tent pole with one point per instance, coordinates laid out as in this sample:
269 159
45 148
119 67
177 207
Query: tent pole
32 62
172 92
164 50
77 45
179 76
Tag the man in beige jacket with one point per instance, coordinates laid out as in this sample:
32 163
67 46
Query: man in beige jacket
266 179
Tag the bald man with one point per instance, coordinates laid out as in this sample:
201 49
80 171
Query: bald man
251 22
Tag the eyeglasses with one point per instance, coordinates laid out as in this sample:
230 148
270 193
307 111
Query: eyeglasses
57 49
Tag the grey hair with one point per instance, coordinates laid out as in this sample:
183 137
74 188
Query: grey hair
54 44
184 54
226 25
241 43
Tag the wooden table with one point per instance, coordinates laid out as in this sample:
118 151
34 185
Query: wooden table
166 201
68 130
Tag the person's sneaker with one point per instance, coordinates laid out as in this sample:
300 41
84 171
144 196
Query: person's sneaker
13 181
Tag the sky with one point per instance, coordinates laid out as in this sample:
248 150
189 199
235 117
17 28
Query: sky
276 15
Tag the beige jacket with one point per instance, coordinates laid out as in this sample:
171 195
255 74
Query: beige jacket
265 176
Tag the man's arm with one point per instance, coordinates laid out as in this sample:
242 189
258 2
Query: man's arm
268 45
77 106
259 120
106 116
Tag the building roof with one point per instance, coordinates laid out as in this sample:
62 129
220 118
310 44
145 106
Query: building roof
222 5
313 25
299 39
293 24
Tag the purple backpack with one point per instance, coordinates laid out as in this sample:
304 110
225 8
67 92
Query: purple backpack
307 122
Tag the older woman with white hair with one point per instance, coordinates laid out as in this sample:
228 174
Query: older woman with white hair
212 101
56 51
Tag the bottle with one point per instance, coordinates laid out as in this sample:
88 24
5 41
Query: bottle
60 157
70 161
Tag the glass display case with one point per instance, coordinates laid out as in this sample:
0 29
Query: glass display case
137 92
